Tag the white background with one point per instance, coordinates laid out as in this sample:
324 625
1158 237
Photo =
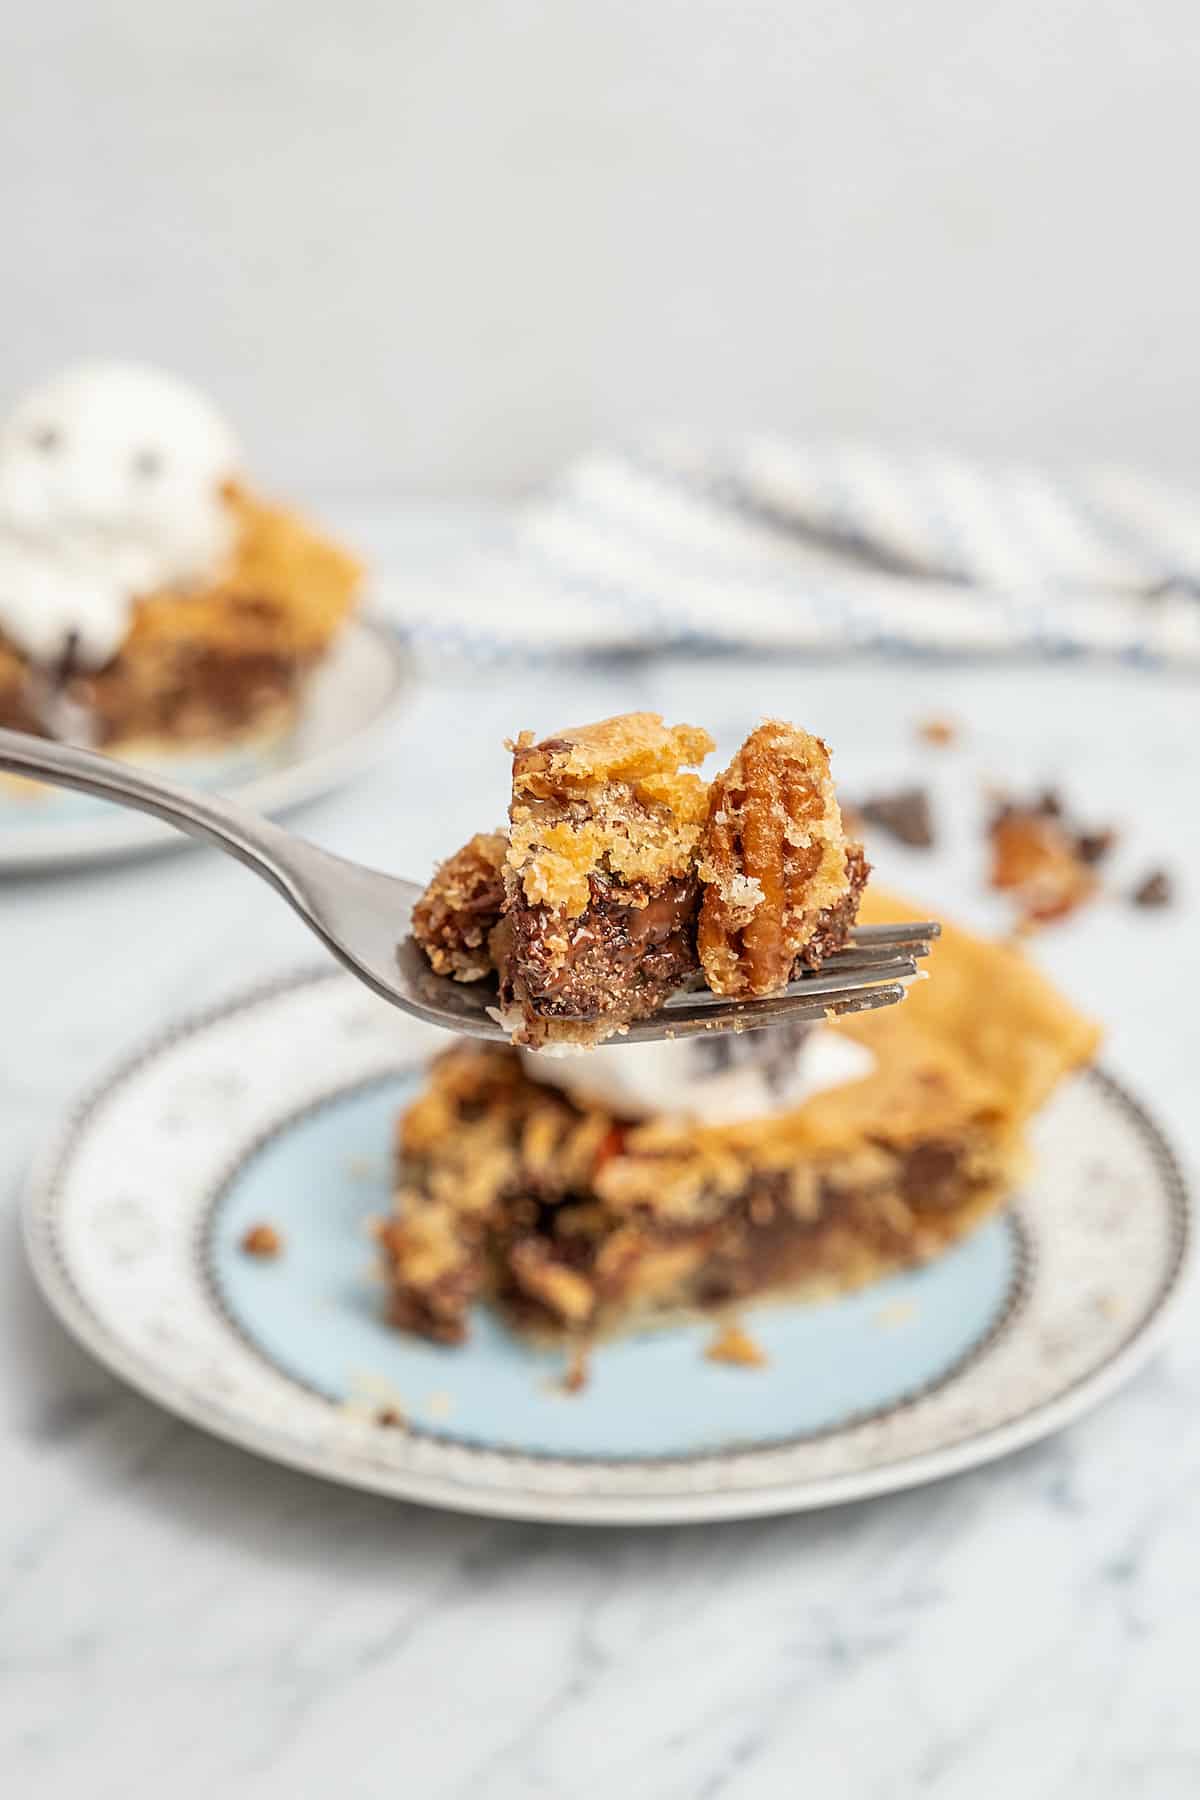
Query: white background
437 245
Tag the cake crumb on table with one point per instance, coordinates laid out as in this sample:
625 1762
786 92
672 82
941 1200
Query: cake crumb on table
262 1240
1155 890
733 1345
939 731
1043 859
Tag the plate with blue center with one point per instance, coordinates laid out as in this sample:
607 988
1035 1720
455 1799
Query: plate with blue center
280 1109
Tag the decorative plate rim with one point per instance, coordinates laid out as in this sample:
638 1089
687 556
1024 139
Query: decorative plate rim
444 1488
275 791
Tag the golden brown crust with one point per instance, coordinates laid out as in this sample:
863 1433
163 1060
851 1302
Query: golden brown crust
773 859
613 799
461 907
989 1005
627 747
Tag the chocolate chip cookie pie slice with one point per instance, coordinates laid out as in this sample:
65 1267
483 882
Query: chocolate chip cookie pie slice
579 1211
601 884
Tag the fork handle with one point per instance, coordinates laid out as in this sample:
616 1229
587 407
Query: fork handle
252 839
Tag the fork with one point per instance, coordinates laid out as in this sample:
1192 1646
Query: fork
363 916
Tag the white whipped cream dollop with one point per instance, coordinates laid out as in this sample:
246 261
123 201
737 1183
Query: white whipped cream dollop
111 479
712 1081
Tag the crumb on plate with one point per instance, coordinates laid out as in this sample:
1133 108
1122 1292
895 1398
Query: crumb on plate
262 1240
734 1345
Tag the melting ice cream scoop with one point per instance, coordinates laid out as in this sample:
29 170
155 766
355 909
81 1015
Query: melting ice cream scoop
720 1080
111 485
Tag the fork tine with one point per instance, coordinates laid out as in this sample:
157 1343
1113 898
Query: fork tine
751 1015
871 956
901 968
805 997
807 987
899 933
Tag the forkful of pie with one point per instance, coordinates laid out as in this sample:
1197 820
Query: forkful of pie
627 900
630 898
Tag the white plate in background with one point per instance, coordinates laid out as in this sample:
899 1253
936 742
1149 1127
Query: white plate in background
351 702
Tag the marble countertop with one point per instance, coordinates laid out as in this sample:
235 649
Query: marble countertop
177 1618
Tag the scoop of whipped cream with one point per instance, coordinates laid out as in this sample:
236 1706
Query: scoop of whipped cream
719 1080
111 479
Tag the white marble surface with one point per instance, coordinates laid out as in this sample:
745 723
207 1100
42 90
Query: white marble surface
177 1618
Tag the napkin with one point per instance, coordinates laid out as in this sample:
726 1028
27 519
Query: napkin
761 546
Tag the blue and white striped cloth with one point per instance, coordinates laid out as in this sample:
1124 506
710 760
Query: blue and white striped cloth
767 546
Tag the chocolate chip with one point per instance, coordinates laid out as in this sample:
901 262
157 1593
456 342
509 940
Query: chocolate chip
928 1168
1050 803
1155 890
1094 846
906 814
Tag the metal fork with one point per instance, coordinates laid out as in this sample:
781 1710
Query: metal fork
364 916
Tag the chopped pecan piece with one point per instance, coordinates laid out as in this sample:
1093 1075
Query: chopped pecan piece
773 860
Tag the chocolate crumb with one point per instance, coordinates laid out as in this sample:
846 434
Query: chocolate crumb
906 814
262 1240
1094 846
389 1415
1155 890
